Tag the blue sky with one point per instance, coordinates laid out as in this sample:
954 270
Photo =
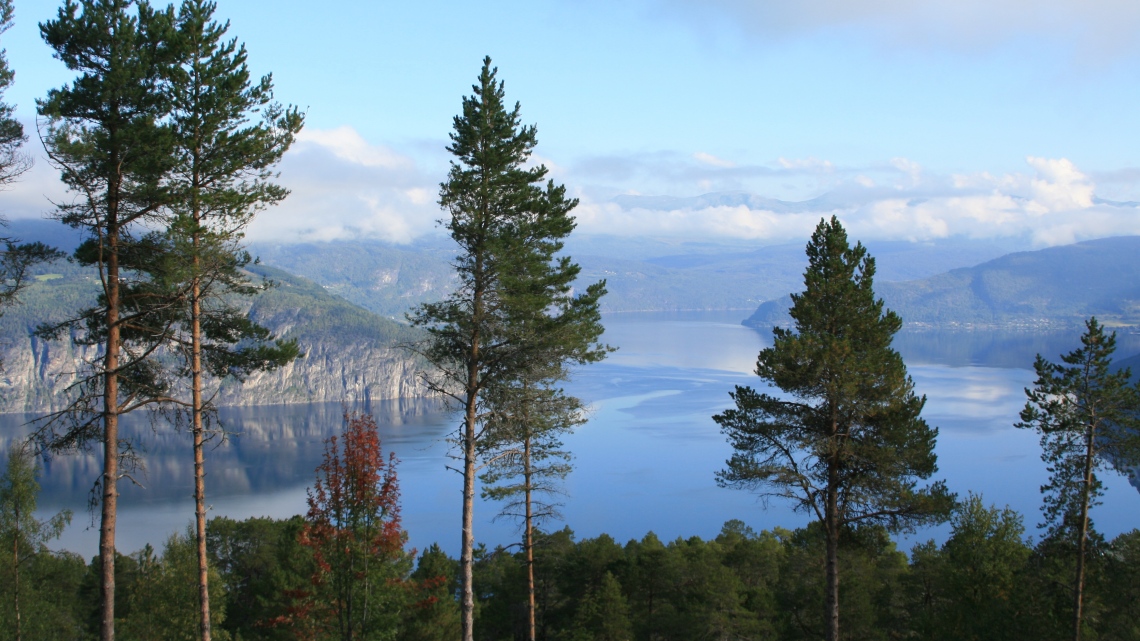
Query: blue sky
1004 118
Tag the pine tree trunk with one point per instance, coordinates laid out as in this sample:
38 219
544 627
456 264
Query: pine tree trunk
831 526
110 432
199 455
1082 543
16 568
465 558
831 529
529 540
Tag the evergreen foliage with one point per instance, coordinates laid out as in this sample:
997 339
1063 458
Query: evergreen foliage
13 161
972 586
1088 417
15 258
984 582
263 569
162 599
850 445
513 310
24 535
106 136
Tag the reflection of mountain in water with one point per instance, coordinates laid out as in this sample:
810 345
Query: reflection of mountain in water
267 448
996 348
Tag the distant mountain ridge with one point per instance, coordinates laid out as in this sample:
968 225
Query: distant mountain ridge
1049 288
642 273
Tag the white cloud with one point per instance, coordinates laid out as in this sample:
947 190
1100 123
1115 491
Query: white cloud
806 164
345 187
1059 186
710 159
348 145
1053 204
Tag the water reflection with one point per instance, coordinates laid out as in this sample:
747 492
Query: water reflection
644 461
1007 349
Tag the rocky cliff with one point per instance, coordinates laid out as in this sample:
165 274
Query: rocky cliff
350 354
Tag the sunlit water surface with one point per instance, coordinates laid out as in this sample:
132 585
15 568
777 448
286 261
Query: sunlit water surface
645 460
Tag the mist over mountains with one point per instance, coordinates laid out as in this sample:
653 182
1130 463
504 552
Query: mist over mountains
641 274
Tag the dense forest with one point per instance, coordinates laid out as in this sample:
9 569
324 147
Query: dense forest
986 581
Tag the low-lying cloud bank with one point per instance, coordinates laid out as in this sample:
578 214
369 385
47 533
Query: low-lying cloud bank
344 187
1055 203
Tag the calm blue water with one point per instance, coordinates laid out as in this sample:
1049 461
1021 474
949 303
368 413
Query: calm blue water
644 461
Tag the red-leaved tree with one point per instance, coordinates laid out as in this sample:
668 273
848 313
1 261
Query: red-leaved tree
360 585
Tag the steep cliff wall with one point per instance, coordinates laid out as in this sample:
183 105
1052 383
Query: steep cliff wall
351 355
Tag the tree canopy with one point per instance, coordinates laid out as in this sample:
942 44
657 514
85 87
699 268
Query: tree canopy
846 442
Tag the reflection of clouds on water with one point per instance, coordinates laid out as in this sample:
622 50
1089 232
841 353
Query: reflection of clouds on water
690 340
971 398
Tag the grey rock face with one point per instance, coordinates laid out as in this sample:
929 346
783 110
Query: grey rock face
38 373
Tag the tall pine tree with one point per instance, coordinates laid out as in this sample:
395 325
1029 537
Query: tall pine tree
849 446
525 459
228 136
105 135
514 303
1087 416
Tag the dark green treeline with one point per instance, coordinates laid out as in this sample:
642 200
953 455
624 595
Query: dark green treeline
985 582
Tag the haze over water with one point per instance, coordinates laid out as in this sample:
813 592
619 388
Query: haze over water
645 460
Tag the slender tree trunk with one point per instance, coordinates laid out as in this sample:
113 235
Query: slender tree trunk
110 432
16 568
529 539
831 529
465 558
832 532
199 455
1082 543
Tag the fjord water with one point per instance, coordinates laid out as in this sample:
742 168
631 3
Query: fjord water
645 460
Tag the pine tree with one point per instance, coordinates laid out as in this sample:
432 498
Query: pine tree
20 530
1087 417
13 161
16 258
105 135
228 135
603 614
850 445
526 461
513 307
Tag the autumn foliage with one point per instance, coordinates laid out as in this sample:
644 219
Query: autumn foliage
353 528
